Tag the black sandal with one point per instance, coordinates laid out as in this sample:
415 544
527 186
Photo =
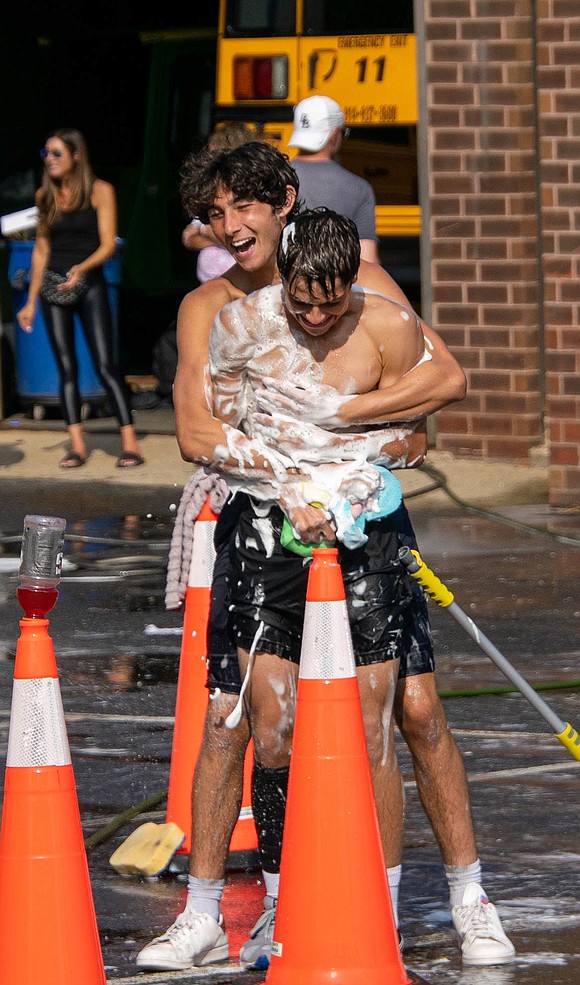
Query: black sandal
72 461
129 460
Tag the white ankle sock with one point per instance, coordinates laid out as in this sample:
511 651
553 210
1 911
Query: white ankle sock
394 877
458 877
271 883
204 895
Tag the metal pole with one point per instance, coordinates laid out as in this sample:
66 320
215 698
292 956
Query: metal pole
435 588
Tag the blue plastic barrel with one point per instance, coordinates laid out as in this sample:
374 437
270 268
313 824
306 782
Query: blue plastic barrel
36 373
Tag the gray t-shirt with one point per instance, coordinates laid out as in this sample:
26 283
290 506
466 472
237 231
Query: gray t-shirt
328 183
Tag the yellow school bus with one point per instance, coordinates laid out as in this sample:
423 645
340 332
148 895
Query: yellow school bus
273 53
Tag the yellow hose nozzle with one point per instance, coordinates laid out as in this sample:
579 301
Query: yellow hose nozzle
571 740
427 579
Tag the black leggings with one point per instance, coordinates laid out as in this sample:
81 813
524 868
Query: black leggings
269 793
94 312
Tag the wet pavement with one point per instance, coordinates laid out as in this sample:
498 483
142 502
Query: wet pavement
117 652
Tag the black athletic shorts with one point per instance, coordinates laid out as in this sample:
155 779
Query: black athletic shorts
374 587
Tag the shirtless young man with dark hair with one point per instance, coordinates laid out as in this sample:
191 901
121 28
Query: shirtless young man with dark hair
249 195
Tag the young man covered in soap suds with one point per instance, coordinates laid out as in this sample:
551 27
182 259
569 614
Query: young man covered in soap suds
249 195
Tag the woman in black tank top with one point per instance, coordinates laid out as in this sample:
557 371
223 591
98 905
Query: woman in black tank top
77 229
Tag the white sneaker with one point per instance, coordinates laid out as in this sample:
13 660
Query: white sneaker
194 940
479 929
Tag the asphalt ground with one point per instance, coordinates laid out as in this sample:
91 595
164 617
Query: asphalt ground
513 565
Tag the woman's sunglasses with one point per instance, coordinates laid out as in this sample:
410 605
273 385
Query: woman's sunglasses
46 152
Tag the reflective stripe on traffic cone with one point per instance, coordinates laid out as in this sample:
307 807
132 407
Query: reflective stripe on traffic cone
334 919
48 928
192 695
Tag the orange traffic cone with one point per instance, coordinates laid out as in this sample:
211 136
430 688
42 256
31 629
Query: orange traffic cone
48 928
332 854
244 840
192 696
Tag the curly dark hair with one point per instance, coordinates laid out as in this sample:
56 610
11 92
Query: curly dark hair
254 171
321 247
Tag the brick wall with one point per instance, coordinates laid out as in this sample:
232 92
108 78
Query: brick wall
558 74
504 231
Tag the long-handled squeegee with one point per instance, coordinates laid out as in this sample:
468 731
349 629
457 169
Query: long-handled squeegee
435 588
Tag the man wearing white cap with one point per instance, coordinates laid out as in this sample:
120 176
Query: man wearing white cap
318 133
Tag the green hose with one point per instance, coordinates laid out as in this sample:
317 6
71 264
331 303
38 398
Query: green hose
127 815
491 514
480 692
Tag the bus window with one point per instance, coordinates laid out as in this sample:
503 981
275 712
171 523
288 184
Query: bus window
277 18
357 16
253 18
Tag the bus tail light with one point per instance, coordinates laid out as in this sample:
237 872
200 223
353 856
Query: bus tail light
261 78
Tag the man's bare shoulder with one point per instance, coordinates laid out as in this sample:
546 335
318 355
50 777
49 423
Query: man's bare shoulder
213 294
386 320
375 305
373 301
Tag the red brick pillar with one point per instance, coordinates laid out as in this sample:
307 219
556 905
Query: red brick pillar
483 230
558 74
